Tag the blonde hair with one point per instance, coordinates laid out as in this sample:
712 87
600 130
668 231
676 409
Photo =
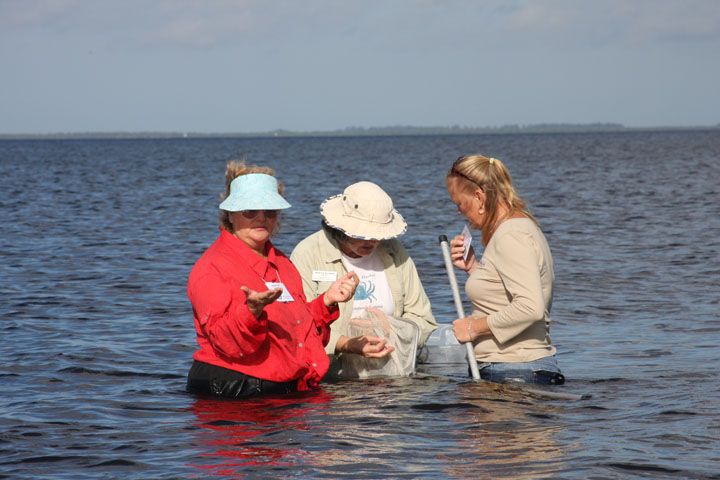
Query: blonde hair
234 169
492 176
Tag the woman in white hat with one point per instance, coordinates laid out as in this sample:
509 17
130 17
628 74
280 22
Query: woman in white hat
359 233
256 331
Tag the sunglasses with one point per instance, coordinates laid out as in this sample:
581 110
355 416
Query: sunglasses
457 172
254 213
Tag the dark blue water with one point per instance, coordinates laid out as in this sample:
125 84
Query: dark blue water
97 334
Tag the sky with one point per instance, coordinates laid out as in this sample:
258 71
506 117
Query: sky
243 66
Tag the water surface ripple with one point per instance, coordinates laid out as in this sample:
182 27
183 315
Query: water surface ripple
100 235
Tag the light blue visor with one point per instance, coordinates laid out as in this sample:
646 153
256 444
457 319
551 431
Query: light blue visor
254 191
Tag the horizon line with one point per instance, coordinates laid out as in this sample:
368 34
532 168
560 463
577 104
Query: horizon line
364 131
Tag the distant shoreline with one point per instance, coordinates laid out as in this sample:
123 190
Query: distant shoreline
368 132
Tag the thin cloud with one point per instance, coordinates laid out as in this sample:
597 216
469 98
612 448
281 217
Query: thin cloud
214 22
619 22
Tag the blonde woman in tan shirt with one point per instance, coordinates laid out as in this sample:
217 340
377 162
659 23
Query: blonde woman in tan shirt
511 285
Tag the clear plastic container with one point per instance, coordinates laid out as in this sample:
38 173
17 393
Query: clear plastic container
442 348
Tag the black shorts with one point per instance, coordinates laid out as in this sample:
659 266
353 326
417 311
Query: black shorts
206 379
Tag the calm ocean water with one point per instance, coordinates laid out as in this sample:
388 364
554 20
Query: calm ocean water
97 333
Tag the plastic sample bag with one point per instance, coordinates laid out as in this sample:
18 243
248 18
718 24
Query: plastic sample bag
400 333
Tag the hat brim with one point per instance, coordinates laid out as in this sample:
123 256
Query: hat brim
333 214
257 201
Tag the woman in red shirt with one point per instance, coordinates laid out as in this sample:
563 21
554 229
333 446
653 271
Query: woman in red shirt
256 331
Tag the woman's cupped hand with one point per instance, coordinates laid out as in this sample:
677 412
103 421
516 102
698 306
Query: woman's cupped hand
257 301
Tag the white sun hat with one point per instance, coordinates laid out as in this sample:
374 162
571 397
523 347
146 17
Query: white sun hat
363 211
254 191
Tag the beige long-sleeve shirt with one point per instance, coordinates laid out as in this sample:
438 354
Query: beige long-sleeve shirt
512 286
319 252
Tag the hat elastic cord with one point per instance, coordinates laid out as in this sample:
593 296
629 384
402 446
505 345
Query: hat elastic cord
358 217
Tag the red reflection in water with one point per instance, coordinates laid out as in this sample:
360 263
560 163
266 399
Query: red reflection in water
238 429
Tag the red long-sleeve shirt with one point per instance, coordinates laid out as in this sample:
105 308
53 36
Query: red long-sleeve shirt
285 343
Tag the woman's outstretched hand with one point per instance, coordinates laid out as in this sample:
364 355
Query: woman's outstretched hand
457 251
257 301
367 346
342 290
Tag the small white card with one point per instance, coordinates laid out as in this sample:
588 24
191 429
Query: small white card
467 241
324 276
285 295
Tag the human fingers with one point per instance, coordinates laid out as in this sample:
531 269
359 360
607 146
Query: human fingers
343 289
248 292
457 253
459 261
256 301
262 298
373 344
336 293
381 353
270 296
458 240
374 340
347 282
352 278
351 284
460 330
457 248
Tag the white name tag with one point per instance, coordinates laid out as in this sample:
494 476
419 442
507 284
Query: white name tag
324 276
285 295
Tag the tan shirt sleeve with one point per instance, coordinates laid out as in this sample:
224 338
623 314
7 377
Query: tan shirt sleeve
516 261
303 262
309 255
